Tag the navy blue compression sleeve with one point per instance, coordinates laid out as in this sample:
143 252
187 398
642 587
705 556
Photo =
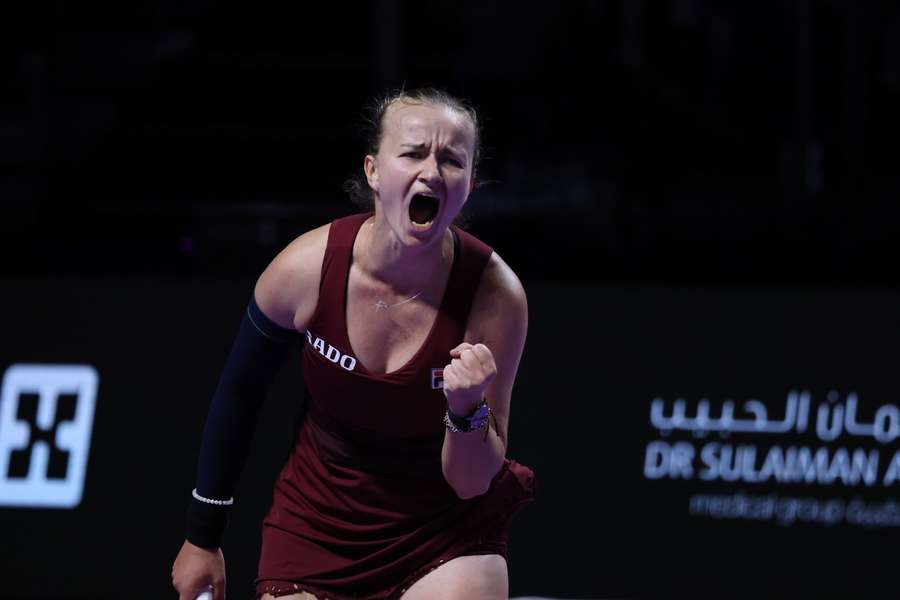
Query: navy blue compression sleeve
259 350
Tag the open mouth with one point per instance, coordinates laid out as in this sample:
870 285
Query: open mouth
423 209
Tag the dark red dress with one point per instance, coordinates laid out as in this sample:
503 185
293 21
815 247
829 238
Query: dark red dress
361 509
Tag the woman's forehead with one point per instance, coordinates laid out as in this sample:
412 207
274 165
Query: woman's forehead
405 120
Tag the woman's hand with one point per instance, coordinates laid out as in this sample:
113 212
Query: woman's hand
470 371
197 567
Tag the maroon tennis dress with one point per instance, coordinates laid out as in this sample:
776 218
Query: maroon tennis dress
361 510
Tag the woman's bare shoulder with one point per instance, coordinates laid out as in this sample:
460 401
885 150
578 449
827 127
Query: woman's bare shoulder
500 302
288 289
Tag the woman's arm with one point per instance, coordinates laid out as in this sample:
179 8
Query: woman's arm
485 365
282 302
285 294
288 289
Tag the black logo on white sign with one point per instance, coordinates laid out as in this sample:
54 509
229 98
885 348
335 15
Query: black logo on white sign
46 417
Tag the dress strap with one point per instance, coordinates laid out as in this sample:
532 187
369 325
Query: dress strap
338 254
472 260
328 316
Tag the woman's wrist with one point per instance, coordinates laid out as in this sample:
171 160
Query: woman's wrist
475 420
464 407
206 523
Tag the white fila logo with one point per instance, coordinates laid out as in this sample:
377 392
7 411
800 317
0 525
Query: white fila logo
46 417
346 361
437 379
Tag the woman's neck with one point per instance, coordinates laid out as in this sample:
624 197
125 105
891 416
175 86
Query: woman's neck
406 269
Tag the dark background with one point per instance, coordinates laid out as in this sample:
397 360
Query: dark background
681 140
700 198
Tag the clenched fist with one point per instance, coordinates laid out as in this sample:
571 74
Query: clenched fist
470 371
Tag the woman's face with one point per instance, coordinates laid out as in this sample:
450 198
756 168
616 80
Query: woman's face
422 174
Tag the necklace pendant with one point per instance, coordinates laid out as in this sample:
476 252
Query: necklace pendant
380 306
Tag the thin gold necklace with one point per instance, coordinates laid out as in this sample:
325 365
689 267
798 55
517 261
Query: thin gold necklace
381 305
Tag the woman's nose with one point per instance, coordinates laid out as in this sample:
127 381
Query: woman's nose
430 170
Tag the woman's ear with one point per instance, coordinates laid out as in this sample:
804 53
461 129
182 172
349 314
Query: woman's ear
371 171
